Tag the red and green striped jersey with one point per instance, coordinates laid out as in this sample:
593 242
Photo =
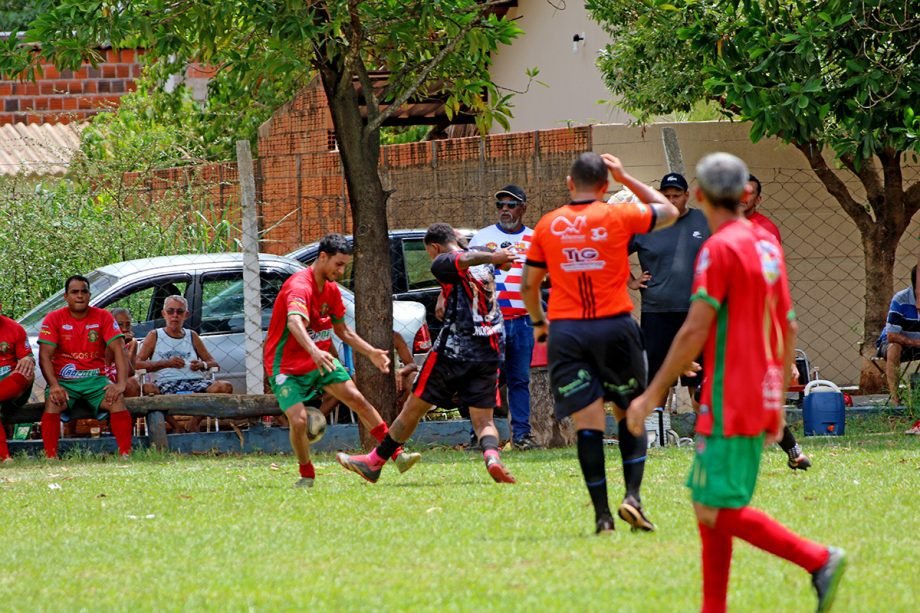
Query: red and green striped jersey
741 273
300 296
14 344
79 344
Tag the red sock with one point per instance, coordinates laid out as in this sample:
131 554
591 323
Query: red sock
13 386
380 431
51 433
307 471
121 427
764 532
717 562
4 450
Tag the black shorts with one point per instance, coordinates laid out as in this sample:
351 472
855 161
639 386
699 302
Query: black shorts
659 330
595 358
908 354
475 383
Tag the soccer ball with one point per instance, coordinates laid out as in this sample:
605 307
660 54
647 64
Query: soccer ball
316 424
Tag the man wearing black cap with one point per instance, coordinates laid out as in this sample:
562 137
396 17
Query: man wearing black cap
511 233
667 259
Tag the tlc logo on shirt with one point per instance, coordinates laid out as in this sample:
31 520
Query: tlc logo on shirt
580 260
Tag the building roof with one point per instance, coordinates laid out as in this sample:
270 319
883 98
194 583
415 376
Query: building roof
37 149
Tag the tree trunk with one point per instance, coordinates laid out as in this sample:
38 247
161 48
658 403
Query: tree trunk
367 198
878 264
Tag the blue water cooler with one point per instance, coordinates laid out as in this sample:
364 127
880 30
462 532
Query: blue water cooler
823 409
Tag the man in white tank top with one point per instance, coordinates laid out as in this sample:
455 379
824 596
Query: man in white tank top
178 357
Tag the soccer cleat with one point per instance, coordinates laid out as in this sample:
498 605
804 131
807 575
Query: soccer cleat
406 460
303 483
498 471
526 443
604 524
827 578
800 462
630 511
358 464
914 429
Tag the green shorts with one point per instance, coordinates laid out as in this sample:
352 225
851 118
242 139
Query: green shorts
292 389
724 471
89 389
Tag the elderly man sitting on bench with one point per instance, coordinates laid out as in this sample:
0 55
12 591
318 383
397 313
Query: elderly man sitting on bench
178 358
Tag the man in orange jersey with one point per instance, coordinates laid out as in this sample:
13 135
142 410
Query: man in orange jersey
596 351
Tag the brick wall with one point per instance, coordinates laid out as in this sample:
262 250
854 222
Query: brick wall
303 194
65 96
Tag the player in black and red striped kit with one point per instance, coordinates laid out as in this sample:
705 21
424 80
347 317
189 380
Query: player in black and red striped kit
465 357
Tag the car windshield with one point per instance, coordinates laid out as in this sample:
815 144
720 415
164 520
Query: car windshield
98 283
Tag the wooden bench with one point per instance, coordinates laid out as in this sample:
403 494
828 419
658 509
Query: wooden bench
155 409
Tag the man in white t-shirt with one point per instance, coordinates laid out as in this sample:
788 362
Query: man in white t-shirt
511 233
178 359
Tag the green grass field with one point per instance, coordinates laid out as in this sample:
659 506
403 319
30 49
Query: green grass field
165 532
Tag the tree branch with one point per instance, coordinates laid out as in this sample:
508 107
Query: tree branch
409 91
833 184
353 59
869 177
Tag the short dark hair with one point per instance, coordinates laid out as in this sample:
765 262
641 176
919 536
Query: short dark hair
334 244
755 181
588 171
913 278
440 234
75 278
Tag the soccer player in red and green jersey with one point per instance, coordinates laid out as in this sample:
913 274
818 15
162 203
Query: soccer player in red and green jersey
71 354
298 364
17 371
741 311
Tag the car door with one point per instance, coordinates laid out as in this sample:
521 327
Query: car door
143 299
417 283
220 319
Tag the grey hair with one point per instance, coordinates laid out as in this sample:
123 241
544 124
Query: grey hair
177 298
722 177
121 311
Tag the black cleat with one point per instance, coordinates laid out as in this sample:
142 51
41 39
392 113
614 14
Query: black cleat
827 578
526 443
630 511
800 462
605 524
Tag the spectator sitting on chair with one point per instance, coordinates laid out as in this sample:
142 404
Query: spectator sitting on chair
900 339
123 319
178 357
17 372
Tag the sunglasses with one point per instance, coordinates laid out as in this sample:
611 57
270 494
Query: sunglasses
511 204
175 311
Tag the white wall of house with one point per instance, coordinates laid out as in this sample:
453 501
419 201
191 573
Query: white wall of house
573 83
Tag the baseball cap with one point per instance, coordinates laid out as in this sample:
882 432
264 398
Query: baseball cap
512 191
673 179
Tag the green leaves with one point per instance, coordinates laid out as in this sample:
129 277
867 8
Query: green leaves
838 72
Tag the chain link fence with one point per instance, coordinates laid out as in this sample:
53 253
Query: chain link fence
142 237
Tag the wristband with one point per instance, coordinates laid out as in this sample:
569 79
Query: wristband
537 324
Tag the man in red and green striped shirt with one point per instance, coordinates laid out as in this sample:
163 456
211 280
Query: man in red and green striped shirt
741 310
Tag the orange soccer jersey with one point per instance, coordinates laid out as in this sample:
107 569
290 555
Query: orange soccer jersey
583 246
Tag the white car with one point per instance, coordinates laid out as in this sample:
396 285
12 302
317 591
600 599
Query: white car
213 286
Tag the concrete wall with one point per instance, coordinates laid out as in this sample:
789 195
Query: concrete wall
573 82
822 244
